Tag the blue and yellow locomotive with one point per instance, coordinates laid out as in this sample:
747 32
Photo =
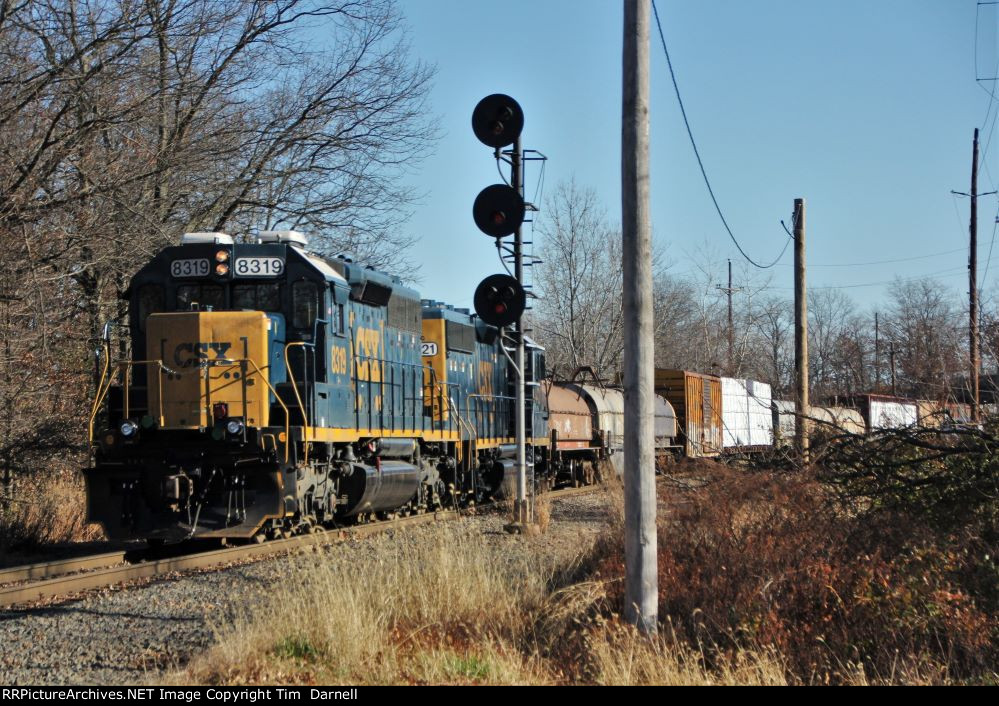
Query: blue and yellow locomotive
269 391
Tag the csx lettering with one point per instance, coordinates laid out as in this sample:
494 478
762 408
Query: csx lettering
369 342
485 378
187 355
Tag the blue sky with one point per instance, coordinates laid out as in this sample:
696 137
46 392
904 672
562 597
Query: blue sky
865 109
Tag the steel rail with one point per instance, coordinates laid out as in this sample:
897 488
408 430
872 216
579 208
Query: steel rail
61 578
60 567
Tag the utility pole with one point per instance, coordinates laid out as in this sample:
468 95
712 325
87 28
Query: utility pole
877 353
641 577
973 281
729 290
801 403
891 358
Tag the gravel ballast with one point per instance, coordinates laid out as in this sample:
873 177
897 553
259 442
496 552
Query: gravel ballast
132 635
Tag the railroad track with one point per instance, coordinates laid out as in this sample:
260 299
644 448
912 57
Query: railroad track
37 582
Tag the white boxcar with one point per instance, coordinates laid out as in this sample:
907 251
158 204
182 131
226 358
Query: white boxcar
885 412
747 418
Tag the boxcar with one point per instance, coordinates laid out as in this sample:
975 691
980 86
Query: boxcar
697 402
887 412
746 416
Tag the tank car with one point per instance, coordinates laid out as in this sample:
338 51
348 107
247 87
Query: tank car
587 427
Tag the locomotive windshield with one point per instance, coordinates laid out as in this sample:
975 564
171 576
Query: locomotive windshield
204 295
257 297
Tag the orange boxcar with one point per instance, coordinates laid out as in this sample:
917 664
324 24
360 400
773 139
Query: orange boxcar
697 401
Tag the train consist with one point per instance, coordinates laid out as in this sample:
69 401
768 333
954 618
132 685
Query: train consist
270 391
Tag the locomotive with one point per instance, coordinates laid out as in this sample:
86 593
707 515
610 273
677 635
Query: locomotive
270 391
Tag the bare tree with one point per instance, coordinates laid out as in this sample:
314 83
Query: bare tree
579 313
774 324
126 122
923 324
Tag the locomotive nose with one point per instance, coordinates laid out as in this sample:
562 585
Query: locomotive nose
216 362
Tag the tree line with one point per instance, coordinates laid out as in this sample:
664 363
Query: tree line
914 343
124 123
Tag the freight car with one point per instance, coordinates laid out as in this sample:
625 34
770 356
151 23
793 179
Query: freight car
886 412
587 424
826 421
697 401
747 421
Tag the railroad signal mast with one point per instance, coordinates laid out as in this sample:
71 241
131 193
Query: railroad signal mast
500 300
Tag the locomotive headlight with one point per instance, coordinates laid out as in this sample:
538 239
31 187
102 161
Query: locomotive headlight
221 256
234 426
221 269
128 428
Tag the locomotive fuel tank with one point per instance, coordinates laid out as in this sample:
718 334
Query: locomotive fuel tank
386 485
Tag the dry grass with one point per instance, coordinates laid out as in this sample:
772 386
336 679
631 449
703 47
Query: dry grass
453 608
47 510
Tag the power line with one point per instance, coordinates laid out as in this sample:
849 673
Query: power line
995 223
697 154
949 272
888 262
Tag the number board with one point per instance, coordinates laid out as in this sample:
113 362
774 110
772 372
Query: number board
429 348
259 266
190 268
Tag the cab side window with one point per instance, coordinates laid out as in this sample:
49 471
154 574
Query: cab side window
338 323
305 304
150 302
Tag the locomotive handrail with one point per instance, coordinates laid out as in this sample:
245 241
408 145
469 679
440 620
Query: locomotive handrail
124 366
99 396
478 396
256 368
294 386
472 434
418 367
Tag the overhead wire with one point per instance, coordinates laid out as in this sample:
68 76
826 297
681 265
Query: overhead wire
697 154
887 262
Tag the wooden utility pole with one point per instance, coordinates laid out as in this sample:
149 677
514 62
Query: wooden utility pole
877 353
641 578
973 281
801 404
891 358
729 290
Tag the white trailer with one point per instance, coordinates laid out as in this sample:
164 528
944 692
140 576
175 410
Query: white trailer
747 417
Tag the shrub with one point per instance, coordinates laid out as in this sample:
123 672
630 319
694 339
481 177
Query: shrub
767 562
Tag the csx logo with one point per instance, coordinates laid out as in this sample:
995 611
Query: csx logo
368 365
188 355
485 378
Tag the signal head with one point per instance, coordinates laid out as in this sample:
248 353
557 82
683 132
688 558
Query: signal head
497 120
498 210
500 300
